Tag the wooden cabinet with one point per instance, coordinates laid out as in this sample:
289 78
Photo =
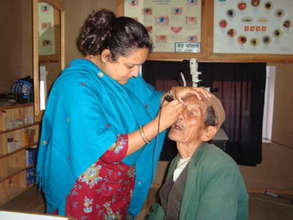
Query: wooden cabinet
19 135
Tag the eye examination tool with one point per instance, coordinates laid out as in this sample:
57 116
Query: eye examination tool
169 98
193 66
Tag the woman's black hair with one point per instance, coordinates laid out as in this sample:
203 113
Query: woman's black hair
103 30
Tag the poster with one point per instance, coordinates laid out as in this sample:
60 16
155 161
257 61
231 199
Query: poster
174 25
46 29
253 26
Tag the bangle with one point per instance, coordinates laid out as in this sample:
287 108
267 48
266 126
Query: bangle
141 132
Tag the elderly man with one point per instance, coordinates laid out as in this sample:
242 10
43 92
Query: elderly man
202 182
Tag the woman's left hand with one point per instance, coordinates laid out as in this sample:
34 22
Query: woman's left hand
180 92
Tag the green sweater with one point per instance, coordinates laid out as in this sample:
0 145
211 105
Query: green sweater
214 188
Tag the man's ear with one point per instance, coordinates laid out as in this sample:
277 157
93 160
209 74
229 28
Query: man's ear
209 133
106 55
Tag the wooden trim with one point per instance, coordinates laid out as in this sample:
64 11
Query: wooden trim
208 10
170 56
277 191
120 7
248 58
36 59
62 40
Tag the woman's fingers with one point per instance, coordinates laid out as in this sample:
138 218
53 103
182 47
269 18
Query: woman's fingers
205 93
170 112
180 92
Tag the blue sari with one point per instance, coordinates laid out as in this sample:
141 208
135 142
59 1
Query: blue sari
86 110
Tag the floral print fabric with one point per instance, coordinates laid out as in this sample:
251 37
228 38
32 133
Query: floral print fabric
104 190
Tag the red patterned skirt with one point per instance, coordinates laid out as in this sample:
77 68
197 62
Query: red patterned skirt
104 190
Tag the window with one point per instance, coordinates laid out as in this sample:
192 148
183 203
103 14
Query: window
268 104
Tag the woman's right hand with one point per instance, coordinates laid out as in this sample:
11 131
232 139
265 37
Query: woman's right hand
169 113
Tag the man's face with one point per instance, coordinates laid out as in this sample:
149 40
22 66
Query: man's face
190 124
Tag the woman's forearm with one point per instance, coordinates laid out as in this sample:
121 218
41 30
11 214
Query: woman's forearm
140 137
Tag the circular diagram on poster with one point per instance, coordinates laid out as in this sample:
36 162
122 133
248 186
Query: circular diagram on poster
253 26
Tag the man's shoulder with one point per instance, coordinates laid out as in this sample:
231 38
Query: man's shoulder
213 157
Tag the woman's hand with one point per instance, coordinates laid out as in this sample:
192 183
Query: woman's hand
180 92
169 113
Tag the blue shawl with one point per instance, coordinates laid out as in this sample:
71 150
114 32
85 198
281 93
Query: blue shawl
86 110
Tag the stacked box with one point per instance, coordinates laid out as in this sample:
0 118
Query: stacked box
30 176
31 156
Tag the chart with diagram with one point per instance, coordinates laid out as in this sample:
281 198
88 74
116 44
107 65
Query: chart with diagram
253 26
174 25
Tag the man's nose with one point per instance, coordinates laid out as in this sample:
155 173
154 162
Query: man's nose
180 116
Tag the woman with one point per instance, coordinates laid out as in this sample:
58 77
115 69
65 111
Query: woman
98 151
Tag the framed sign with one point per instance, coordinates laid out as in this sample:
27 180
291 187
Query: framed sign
46 29
174 25
253 27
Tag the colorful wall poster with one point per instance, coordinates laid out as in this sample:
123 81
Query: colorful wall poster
46 29
253 26
174 25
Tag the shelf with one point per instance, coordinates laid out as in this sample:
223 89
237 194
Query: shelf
18 132
16 191
13 185
13 172
16 117
11 106
34 145
11 193
22 127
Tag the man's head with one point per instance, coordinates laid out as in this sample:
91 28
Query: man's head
199 121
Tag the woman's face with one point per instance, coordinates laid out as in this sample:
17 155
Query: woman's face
126 67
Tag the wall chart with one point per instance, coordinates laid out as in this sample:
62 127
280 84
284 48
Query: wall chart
174 25
253 26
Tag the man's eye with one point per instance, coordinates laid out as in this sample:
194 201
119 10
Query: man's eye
193 113
130 66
